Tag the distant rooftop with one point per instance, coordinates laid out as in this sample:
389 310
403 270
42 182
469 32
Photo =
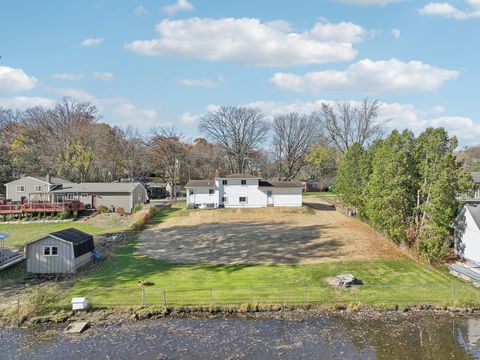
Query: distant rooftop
97 187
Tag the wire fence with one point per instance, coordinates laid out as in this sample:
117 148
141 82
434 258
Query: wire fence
414 294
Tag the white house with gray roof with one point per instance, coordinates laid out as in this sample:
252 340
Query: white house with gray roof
243 191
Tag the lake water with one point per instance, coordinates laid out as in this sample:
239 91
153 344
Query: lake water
395 336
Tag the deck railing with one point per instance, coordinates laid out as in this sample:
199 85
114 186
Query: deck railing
41 207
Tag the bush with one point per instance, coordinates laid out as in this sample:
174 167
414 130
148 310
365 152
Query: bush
102 209
137 208
63 215
120 211
41 298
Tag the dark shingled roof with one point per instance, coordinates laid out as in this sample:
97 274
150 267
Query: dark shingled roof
280 184
82 242
200 183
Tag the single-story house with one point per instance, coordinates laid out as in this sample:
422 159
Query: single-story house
243 191
18 190
467 233
59 252
116 195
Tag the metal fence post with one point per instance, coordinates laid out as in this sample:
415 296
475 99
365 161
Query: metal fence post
164 299
143 296
211 296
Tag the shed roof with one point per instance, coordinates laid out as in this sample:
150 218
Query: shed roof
200 183
82 242
280 184
98 187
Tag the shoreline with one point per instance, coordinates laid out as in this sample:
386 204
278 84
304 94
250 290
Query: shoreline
120 316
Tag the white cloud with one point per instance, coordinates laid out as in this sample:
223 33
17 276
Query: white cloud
140 10
14 80
132 115
89 42
369 2
204 82
189 119
399 116
68 77
396 33
449 11
25 102
250 41
370 77
180 5
103 75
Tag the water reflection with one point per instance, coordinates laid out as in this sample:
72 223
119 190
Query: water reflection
391 336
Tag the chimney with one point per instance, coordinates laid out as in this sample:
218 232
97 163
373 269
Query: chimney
217 173
47 178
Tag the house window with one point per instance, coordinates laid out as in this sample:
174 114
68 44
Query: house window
20 188
224 182
38 188
211 191
192 192
243 182
242 199
84 195
224 199
50 251
70 196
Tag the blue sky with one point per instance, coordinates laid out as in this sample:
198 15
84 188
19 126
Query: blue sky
165 63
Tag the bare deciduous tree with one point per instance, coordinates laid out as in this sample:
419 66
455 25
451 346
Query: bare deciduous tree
293 135
346 124
238 131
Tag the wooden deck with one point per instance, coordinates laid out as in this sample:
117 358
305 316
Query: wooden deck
47 207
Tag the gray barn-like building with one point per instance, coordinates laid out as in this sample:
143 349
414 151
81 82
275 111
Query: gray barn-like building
59 252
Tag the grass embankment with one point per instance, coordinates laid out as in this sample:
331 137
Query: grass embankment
387 282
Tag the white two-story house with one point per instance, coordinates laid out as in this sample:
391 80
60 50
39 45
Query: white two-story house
242 191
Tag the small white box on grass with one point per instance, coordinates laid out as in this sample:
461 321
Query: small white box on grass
79 303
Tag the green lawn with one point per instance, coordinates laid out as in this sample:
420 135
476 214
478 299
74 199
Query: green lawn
385 282
24 232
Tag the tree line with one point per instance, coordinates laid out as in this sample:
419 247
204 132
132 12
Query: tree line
71 140
407 187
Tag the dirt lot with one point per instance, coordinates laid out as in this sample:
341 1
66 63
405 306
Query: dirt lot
271 235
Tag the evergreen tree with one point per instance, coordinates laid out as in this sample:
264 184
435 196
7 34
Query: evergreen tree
441 180
352 176
391 186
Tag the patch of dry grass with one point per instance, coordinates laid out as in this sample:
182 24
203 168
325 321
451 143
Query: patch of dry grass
266 235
